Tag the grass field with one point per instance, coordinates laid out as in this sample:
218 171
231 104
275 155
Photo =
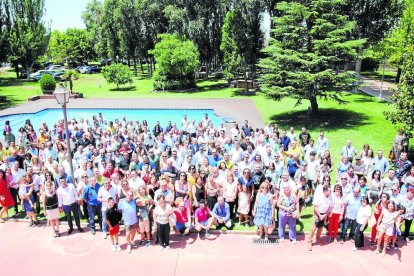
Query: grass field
360 119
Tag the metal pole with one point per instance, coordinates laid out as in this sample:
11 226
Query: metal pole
382 80
68 144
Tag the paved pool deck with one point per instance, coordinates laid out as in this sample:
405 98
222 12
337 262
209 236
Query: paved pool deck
33 250
232 110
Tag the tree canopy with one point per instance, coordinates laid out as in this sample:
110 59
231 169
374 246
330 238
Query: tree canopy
310 43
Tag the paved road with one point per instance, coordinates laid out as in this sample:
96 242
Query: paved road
33 250
373 88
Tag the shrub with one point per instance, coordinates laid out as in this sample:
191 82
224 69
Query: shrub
117 73
177 60
47 83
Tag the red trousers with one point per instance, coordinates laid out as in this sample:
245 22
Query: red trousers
333 225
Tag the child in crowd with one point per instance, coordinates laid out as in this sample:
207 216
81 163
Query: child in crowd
144 205
244 204
113 217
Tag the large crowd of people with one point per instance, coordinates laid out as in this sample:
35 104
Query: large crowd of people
198 176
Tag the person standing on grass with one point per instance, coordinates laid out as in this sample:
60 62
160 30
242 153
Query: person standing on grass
363 216
128 207
385 226
381 205
263 210
408 203
113 217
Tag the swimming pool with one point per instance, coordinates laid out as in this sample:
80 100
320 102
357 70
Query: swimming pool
52 115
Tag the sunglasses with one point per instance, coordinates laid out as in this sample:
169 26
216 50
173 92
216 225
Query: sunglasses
85 176
48 175
343 178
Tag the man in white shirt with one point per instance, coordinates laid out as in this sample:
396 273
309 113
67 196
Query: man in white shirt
349 151
322 207
67 201
322 144
191 129
135 181
104 193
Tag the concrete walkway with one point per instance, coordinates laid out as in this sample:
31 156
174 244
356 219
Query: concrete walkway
373 87
26 250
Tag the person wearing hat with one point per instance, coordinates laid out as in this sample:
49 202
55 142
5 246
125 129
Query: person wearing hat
359 167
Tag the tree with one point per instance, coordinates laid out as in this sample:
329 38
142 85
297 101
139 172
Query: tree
111 27
374 19
132 34
29 36
310 40
4 29
117 73
177 60
73 45
93 19
404 50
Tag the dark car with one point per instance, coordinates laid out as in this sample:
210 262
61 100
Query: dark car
93 69
106 61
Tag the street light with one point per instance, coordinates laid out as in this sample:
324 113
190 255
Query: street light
384 60
62 97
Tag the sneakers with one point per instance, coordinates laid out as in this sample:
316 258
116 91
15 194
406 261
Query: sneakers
407 239
129 249
372 244
167 247
57 234
104 235
354 249
162 248
133 244
93 232
281 239
293 241
118 248
114 247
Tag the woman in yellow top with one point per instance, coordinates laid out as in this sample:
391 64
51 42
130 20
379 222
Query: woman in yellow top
191 178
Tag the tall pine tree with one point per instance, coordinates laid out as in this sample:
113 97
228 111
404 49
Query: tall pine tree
309 47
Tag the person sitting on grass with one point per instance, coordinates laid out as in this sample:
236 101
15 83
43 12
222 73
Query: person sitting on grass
221 212
202 220
113 217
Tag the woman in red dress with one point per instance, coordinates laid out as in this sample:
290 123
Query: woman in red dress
6 199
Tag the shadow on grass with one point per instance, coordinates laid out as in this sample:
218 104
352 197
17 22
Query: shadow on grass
365 98
328 119
127 88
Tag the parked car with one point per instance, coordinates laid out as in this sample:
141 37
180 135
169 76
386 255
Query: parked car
94 69
37 75
53 67
58 75
106 61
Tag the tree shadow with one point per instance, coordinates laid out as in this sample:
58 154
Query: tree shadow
328 119
365 98
127 88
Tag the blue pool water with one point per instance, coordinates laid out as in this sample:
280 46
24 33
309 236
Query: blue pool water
51 116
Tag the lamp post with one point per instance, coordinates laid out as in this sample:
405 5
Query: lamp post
62 97
384 60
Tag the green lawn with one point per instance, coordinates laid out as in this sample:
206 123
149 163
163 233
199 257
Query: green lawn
360 119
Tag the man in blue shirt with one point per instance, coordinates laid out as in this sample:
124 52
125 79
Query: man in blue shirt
90 196
352 204
221 212
128 207
381 163
213 158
